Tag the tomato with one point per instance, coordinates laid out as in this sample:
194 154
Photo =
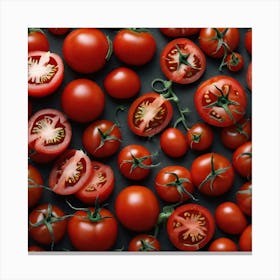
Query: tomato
234 136
223 244
149 114
179 32
134 46
37 40
70 172
216 41
144 242
182 61
137 208
220 101
244 198
83 100
230 218
212 174
242 160
190 227
100 185
92 229
49 135
35 182
86 50
248 41
35 248
173 142
122 83
245 239
173 184
249 76
58 31
200 137
234 61
45 73
47 224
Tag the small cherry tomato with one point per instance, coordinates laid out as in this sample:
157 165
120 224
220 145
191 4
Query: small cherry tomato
179 32
244 198
37 40
35 181
144 242
245 239
234 61
248 41
223 244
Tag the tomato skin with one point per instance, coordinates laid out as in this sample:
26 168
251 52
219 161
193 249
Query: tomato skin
173 142
230 218
43 145
182 61
223 244
248 41
37 41
58 30
49 83
122 83
35 248
149 114
249 76
137 208
181 224
216 93
235 62
245 239
83 100
100 184
35 181
144 242
87 235
179 32
134 47
244 198
85 50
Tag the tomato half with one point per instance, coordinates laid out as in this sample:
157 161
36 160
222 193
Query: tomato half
35 181
182 61
179 32
244 198
190 227
144 242
223 244
149 114
70 172
45 73
49 135
220 101
245 239
37 40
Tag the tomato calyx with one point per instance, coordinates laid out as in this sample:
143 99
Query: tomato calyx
110 49
33 29
246 191
147 246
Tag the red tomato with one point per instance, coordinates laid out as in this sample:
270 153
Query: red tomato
47 224
58 31
242 160
249 77
215 41
182 61
230 218
149 114
86 50
137 208
35 248
200 137
37 40
70 172
245 239
223 244
122 83
102 138
220 101
93 229
179 32
100 185
173 142
234 61
244 198
212 174
49 135
190 227
144 242
35 181
234 136
83 100
248 41
134 46
45 73
173 184
135 162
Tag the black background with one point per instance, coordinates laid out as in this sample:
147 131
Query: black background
185 93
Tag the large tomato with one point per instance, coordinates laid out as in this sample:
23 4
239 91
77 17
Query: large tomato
244 198
220 101
35 181
182 61
179 32
45 73
86 50
223 244
37 40
144 242
190 227
149 114
49 135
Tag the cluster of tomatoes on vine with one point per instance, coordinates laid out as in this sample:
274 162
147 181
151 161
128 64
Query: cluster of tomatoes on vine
220 102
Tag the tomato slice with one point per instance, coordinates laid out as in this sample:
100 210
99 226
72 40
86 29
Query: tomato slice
149 114
100 185
45 73
70 172
49 134
182 61
190 227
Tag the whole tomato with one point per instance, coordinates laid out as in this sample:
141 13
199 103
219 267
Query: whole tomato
179 32
234 61
248 41
244 198
249 76
37 40
223 244
144 242
35 181
245 239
